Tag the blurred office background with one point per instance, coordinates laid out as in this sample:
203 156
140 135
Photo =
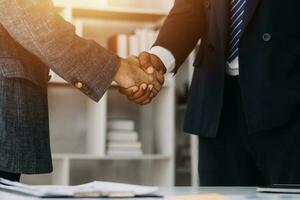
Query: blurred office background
116 140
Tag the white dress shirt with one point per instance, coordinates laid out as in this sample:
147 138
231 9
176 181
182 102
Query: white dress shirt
165 56
169 61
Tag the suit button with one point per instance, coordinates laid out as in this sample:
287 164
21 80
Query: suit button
207 4
78 85
266 37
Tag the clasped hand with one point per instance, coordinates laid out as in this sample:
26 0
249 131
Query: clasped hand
141 78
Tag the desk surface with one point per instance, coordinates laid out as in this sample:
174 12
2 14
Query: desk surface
233 193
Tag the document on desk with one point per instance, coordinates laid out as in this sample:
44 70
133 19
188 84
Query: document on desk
93 189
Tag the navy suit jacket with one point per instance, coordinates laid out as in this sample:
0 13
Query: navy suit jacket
269 60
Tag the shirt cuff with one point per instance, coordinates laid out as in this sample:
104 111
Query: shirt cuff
165 56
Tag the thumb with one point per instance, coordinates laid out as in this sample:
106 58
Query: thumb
128 91
145 62
158 64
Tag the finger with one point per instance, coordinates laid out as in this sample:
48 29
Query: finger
141 92
128 91
150 87
160 77
157 85
154 93
158 64
154 81
145 60
144 97
146 102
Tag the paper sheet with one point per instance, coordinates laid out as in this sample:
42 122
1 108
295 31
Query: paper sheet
93 189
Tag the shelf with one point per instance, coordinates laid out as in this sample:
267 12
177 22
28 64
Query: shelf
184 170
112 13
106 157
59 84
181 107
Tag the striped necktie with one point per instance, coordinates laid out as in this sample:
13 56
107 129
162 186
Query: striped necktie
237 10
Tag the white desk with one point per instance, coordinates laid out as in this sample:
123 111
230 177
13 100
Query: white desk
233 193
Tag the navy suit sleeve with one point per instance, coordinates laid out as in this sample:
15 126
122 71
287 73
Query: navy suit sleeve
182 29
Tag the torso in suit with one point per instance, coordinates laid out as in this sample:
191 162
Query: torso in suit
24 129
33 38
269 60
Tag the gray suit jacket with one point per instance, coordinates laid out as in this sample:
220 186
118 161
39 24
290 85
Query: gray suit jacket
33 38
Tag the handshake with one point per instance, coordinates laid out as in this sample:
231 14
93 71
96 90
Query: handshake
140 78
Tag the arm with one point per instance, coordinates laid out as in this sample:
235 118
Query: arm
35 25
182 29
178 36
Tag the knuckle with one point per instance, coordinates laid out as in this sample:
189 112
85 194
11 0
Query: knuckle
144 53
146 56
137 96
151 78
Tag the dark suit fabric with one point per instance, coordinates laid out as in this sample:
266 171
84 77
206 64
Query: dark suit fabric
249 129
269 60
237 158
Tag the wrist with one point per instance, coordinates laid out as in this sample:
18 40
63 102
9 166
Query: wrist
120 72
165 56
163 68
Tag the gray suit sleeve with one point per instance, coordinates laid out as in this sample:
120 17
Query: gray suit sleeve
36 26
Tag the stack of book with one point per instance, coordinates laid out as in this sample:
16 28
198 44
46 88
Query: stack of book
132 44
122 139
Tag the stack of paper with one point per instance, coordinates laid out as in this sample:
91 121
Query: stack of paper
93 189
122 139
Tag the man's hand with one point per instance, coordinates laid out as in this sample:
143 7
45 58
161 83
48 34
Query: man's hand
152 65
131 75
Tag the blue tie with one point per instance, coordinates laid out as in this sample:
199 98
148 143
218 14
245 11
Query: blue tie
237 10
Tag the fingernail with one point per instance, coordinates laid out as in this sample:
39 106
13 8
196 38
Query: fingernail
135 89
150 70
144 86
150 87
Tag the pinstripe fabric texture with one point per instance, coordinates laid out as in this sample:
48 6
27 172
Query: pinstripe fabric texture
237 10
33 38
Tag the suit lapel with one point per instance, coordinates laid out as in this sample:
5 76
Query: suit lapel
221 8
251 6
